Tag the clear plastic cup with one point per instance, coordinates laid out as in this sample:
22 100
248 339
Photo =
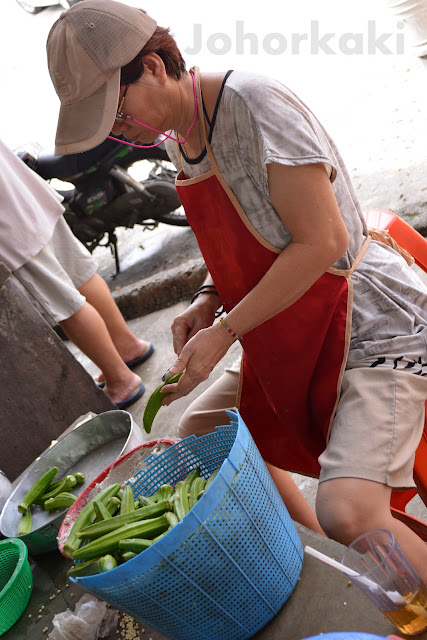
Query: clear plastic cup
388 579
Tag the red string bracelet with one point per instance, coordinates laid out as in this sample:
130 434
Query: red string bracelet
230 331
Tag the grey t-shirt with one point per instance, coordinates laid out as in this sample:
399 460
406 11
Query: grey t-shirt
260 121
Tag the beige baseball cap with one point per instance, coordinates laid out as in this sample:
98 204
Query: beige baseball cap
86 49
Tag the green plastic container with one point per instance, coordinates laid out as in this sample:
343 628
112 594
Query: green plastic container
16 582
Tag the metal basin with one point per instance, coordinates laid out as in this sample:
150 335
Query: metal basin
5 490
89 448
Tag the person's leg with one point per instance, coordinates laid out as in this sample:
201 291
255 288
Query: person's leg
371 450
98 295
49 284
208 411
89 333
296 504
79 265
348 507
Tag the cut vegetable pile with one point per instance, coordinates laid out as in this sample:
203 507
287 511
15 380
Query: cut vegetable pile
48 494
114 527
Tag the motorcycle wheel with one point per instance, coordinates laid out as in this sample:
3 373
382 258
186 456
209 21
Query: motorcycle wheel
167 207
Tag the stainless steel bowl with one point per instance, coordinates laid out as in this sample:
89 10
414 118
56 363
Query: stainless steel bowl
89 448
5 490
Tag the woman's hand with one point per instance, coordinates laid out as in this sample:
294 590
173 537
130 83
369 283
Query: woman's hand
198 357
199 315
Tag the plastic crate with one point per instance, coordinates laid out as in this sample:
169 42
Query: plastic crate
230 565
16 582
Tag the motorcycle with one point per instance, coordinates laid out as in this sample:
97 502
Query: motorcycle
106 196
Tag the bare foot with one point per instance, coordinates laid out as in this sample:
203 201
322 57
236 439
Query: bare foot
138 350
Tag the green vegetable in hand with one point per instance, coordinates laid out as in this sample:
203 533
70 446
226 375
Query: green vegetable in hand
155 402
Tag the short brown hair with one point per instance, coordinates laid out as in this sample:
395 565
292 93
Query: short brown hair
162 43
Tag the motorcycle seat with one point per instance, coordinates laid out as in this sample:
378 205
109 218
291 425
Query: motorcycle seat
63 167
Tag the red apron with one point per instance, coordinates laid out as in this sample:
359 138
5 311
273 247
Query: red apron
294 362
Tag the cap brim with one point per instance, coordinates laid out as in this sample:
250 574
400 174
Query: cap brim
84 125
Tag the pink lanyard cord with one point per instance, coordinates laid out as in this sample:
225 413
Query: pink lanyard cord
166 135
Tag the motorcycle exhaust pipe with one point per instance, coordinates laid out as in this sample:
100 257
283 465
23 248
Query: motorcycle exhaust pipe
123 176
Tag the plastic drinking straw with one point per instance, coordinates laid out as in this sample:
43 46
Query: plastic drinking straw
331 562
394 596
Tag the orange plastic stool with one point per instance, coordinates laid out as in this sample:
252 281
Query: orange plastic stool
409 239
401 231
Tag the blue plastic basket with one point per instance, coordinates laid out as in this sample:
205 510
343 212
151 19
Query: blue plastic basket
346 635
230 565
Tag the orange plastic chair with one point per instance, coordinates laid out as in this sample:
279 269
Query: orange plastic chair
409 239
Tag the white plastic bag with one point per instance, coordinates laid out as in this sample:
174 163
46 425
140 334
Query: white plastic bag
91 620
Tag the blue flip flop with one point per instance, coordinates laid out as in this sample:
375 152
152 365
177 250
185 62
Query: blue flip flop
140 359
133 363
131 399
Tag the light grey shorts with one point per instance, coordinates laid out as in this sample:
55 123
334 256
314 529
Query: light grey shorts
208 410
375 432
53 276
377 427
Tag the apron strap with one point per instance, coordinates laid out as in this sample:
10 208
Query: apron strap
383 236
204 135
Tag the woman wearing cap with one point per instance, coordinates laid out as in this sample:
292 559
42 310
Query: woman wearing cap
333 324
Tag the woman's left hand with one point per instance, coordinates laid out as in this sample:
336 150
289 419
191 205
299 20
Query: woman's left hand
198 357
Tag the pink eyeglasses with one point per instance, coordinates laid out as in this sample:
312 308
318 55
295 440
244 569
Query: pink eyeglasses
121 118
